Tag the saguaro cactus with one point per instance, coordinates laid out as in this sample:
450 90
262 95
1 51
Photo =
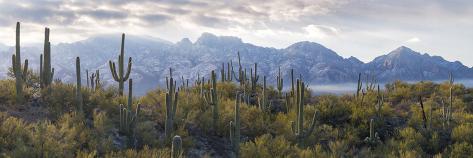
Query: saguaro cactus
241 74
254 78
176 149
280 82
78 87
235 127
87 77
92 78
211 99
97 80
20 75
360 86
222 73
200 84
171 104
450 112
380 102
264 104
297 128
229 71
121 77
292 83
373 139
46 71
127 117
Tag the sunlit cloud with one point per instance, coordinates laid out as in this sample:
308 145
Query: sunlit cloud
413 40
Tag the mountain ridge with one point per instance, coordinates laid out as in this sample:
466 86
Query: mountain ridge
152 58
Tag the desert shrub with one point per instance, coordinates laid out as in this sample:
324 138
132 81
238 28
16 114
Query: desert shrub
411 140
146 133
102 140
143 153
60 98
266 146
463 133
461 150
332 111
14 133
7 92
399 91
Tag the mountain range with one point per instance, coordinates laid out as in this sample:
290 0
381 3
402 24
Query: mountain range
152 58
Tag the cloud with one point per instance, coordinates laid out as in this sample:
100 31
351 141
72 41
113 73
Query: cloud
350 27
321 31
413 40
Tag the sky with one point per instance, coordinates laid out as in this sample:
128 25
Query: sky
361 28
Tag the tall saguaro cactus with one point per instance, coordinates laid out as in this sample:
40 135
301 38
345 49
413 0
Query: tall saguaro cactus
359 86
211 98
451 80
171 105
235 128
127 117
254 78
264 104
97 80
298 127
222 73
241 74
280 82
94 80
20 75
229 71
121 76
78 87
46 71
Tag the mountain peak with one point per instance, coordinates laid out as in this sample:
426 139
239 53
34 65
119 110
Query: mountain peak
403 51
306 45
354 60
209 39
403 48
184 42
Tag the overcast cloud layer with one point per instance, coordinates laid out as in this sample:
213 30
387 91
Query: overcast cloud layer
361 28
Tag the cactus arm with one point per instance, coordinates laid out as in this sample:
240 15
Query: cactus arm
41 79
25 70
113 70
130 93
13 61
87 77
312 125
52 75
174 108
236 78
128 70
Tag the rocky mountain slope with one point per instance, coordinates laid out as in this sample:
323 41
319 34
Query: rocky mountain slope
153 57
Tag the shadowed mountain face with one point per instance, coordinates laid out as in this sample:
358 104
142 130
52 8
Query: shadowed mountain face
153 57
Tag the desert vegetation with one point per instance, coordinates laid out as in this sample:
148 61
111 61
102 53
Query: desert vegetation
234 114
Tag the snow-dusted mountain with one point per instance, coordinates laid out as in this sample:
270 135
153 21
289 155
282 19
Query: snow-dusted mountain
406 64
153 57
